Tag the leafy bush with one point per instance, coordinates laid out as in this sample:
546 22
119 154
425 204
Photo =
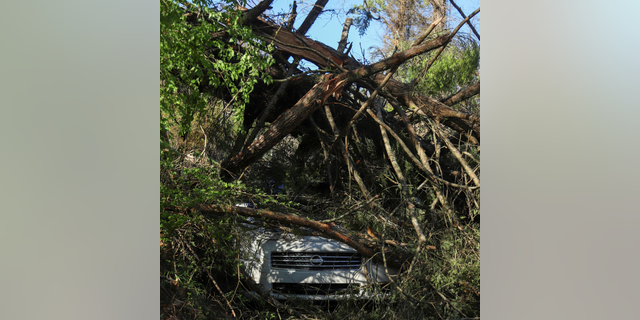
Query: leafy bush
194 65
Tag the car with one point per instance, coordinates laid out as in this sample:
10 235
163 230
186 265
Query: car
309 267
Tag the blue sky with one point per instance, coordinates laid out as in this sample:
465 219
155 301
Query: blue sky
328 27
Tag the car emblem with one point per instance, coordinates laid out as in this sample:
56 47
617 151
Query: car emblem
316 260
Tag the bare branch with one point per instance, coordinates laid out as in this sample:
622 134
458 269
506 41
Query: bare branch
345 35
292 16
403 184
462 95
253 13
458 156
383 83
464 17
421 154
351 211
311 18
412 157
347 158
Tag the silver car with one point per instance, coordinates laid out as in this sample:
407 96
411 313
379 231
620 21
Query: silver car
309 267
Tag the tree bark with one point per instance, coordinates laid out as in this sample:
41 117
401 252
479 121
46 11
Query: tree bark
250 15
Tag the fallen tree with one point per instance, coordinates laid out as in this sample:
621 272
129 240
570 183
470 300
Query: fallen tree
325 56
372 154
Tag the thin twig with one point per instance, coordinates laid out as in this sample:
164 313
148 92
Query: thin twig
347 158
222 294
421 153
470 156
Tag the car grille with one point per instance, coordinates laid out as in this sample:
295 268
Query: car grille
315 288
316 260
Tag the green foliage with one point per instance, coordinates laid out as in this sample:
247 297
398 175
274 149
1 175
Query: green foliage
198 249
196 66
363 14
455 271
194 249
455 68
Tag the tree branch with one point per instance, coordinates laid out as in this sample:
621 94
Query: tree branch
345 35
464 17
403 184
386 79
253 13
325 229
458 156
462 95
292 17
311 18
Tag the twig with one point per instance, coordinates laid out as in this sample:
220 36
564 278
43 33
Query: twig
386 269
221 293
318 131
470 156
421 153
347 158
292 16
298 75
449 302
